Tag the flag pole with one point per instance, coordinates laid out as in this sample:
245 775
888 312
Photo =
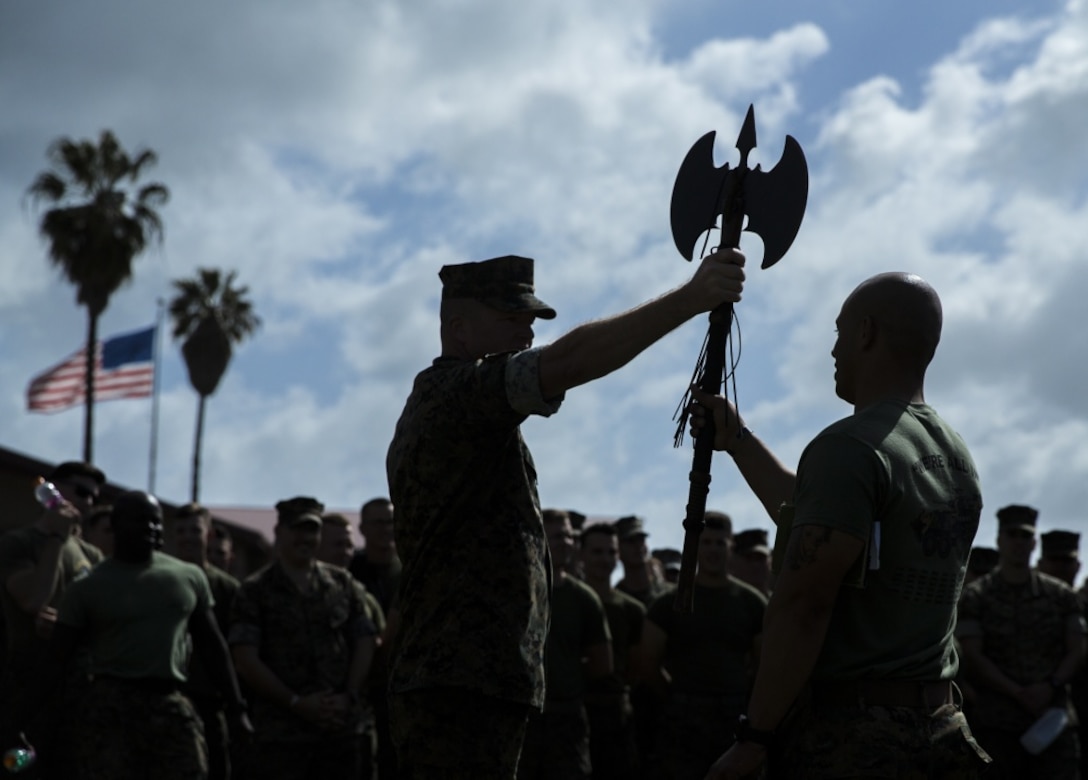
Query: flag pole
153 455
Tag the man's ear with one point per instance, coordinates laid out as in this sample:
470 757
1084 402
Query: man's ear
456 326
868 331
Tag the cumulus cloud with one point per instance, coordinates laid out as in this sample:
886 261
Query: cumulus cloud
338 155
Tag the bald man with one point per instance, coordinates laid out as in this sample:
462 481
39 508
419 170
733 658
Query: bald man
136 610
879 517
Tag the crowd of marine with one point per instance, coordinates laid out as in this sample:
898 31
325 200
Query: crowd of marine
291 679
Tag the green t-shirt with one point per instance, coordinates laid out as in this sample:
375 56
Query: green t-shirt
578 623
895 475
136 616
708 651
625 615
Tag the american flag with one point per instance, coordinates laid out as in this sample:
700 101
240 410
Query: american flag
125 368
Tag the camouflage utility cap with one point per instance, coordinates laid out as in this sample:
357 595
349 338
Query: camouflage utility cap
1017 516
752 541
630 527
670 558
503 283
1060 544
298 510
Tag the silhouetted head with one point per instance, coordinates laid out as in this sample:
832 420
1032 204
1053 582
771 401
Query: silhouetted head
137 526
891 322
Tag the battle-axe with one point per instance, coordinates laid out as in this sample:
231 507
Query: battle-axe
706 198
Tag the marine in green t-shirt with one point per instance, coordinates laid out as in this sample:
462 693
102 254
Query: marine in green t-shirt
702 662
874 531
136 611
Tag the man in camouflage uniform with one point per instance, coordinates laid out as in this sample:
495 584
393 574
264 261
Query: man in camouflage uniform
303 644
1023 639
136 610
189 542
337 548
577 657
1061 558
856 668
38 563
612 745
468 654
702 661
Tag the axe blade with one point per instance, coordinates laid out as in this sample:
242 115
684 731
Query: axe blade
696 195
775 201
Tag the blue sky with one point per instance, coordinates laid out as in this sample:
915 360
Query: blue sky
338 155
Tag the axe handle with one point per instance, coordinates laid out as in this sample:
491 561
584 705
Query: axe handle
721 321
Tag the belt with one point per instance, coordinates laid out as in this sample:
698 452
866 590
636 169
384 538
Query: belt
916 694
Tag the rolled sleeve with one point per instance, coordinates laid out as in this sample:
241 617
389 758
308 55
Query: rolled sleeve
523 385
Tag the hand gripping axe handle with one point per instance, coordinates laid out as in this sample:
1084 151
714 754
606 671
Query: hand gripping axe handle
704 197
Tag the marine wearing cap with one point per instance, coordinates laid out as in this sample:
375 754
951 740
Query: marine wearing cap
1060 544
670 558
752 541
298 510
503 283
1017 517
630 527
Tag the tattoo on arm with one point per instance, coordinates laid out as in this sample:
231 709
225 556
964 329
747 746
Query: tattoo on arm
805 544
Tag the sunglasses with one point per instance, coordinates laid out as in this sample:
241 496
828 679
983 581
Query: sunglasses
83 491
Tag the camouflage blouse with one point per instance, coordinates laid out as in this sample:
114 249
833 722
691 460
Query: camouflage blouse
476 577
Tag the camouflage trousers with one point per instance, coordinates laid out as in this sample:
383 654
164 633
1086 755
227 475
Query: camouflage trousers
875 742
143 731
1060 761
556 744
456 734
216 736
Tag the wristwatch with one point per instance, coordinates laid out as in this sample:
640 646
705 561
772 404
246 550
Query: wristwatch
745 733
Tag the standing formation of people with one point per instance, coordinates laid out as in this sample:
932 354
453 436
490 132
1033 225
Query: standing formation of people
476 635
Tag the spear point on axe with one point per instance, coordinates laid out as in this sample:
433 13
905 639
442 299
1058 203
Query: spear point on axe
706 198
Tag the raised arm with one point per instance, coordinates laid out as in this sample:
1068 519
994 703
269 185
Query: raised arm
770 480
31 586
598 348
795 626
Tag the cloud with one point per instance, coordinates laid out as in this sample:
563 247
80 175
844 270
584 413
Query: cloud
338 155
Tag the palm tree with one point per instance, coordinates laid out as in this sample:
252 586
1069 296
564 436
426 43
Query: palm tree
96 227
212 315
